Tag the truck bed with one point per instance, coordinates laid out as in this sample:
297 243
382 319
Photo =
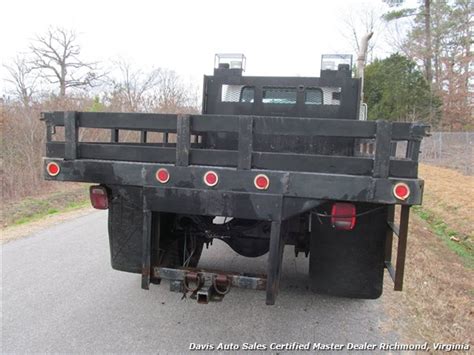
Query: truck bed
368 178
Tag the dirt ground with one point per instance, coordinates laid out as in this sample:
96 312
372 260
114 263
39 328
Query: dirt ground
437 303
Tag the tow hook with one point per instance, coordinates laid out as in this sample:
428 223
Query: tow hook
192 278
221 284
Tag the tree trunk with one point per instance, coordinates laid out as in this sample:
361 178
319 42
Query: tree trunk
62 80
428 49
62 89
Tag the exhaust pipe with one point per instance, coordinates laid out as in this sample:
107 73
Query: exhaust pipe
362 55
361 59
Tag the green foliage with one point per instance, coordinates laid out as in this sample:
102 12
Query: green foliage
97 106
442 25
398 14
396 90
442 48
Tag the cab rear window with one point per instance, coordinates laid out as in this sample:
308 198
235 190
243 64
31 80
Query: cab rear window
313 96
247 94
279 95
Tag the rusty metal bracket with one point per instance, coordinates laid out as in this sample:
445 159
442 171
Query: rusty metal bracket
210 285
219 281
193 277
396 273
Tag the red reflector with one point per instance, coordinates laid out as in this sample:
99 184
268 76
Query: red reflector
211 178
98 195
261 182
162 175
401 191
53 169
343 216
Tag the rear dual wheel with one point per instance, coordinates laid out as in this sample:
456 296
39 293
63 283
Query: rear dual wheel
173 246
174 253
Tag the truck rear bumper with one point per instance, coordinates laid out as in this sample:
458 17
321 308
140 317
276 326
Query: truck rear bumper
235 194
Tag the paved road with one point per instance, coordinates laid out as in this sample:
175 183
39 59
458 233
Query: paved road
61 295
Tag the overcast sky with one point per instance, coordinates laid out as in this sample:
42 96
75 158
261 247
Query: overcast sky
278 37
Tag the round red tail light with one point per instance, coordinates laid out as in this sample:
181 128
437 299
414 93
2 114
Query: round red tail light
211 178
401 191
261 182
162 175
53 169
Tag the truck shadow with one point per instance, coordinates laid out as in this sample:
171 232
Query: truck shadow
294 281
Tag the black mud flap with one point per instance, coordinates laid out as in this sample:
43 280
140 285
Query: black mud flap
126 228
126 221
349 263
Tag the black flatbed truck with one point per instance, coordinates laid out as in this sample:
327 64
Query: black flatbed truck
271 161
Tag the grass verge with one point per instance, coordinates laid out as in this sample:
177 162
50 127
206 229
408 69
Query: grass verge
454 240
35 208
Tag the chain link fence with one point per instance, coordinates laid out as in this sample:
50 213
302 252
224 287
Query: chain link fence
453 150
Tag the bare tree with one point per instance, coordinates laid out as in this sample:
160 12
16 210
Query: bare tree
171 93
23 78
157 90
56 55
133 89
423 12
359 21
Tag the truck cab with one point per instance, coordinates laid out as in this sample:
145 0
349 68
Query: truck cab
334 95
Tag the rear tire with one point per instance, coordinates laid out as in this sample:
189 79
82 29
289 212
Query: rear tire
168 249
172 255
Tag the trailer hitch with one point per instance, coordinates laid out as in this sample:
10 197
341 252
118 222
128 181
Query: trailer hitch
207 285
